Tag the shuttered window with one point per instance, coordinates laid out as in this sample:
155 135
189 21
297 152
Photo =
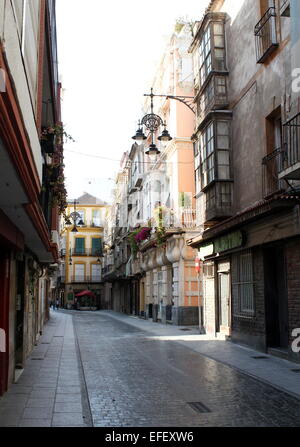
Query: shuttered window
96 247
243 284
79 246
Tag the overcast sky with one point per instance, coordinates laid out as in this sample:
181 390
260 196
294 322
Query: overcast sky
107 57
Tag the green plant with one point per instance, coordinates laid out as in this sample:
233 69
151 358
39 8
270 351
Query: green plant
133 242
58 131
160 236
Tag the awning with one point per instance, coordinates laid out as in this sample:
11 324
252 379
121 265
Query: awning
86 293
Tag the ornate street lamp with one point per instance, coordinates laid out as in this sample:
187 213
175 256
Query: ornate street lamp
152 122
75 217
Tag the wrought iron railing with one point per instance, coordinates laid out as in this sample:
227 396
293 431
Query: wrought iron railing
85 278
272 165
184 218
266 35
86 252
291 130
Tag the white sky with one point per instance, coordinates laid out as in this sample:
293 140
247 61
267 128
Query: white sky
107 57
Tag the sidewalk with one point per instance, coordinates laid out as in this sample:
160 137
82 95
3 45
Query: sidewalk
50 392
280 373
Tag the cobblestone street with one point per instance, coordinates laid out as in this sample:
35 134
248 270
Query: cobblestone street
108 372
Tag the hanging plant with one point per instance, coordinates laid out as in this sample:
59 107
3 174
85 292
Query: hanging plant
143 235
133 242
55 133
160 236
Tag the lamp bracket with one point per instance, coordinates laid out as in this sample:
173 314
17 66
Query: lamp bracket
189 101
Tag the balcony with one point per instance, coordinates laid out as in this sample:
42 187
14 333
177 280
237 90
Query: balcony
285 9
86 252
85 279
271 167
290 168
184 218
266 35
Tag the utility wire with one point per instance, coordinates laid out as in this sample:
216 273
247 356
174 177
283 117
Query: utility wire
135 162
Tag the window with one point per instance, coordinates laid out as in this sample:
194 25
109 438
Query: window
96 247
205 56
96 218
223 150
243 284
207 155
79 246
265 31
79 272
96 272
212 157
211 53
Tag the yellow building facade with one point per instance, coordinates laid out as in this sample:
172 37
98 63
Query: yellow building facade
82 253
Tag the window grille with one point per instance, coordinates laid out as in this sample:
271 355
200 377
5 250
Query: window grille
243 284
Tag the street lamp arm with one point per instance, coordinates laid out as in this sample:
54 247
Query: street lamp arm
186 100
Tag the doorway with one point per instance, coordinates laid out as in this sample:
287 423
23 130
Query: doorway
276 298
224 295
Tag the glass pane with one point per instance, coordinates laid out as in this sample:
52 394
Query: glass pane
218 28
222 128
223 173
219 41
219 53
223 158
223 142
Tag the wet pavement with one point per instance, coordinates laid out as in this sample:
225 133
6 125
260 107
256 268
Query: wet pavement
98 370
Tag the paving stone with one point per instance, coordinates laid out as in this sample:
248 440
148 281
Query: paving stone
60 398
40 403
68 407
35 423
67 419
37 413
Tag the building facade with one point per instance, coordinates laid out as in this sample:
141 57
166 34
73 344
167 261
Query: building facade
246 145
149 266
82 253
32 190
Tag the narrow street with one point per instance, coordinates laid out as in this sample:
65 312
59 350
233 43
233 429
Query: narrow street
98 369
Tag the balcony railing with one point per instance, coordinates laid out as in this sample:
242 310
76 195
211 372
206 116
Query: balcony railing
86 252
184 218
272 165
290 168
266 35
285 9
85 278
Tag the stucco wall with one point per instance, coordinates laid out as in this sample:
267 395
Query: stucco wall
25 91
